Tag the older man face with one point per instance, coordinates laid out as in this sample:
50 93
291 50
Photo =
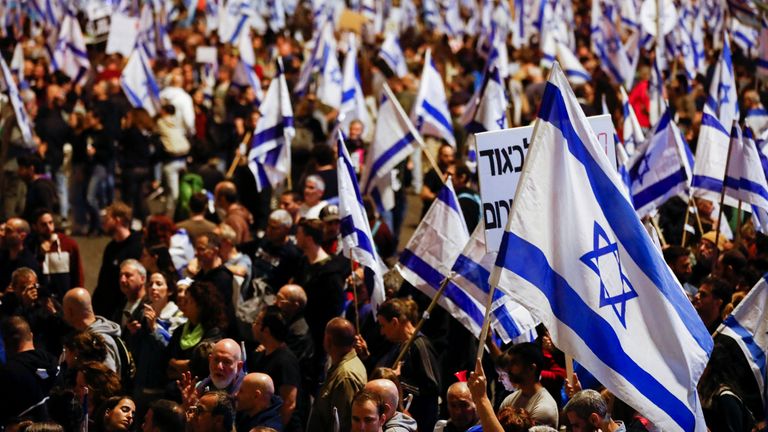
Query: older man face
312 193
225 363
131 281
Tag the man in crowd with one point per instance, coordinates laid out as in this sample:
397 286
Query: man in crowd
125 244
461 410
225 364
525 364
710 300
231 212
588 412
133 280
197 224
213 412
14 254
367 413
290 201
314 187
345 378
78 313
41 191
164 416
257 404
59 255
396 421
432 180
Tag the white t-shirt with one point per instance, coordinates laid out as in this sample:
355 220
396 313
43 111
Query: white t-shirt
312 212
541 406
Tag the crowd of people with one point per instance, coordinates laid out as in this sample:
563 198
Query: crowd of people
219 307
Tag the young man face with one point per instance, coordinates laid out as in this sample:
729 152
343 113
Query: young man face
366 418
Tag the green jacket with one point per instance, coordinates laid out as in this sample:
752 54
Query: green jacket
342 382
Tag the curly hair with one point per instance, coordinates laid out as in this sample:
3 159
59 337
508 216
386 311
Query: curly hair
210 304
102 382
87 346
159 230
515 419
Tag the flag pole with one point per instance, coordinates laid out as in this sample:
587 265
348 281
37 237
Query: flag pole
658 232
685 224
238 156
354 289
738 224
422 321
722 201
486 323
414 132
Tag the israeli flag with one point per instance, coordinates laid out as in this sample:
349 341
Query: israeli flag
745 37
631 131
276 10
69 53
139 84
606 43
431 252
594 278
746 180
269 156
431 14
50 12
656 90
233 19
329 84
315 59
392 55
430 111
17 66
467 294
720 109
356 238
490 112
748 327
557 50
756 119
352 98
19 110
392 143
661 168
762 52
245 73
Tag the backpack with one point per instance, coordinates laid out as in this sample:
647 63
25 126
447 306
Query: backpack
189 185
127 364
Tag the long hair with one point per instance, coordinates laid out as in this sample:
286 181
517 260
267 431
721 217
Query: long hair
210 304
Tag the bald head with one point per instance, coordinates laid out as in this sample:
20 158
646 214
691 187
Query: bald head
255 393
78 311
461 408
291 299
458 389
225 363
387 390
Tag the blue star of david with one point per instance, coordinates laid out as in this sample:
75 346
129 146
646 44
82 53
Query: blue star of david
336 76
723 89
500 121
603 247
644 169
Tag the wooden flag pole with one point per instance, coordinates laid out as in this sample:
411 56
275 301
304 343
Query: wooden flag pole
238 156
422 321
354 291
738 224
486 324
685 224
414 132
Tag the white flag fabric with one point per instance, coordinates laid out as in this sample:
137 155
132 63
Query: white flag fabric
490 113
631 132
356 238
656 94
315 59
233 19
661 168
430 110
557 50
245 74
594 277
392 143
432 250
139 84
17 65
748 327
69 52
756 119
329 83
606 43
762 52
19 110
720 109
269 156
469 291
392 55
352 98
746 180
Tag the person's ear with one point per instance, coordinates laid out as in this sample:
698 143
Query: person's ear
594 420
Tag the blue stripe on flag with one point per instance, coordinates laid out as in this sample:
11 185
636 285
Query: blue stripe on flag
507 322
348 95
709 120
753 187
758 356
437 115
708 183
658 189
475 273
449 199
389 154
597 334
616 212
348 228
572 73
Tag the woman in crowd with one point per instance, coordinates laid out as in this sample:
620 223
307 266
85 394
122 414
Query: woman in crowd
98 382
116 414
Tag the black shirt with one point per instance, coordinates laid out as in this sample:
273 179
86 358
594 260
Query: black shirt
107 296
283 367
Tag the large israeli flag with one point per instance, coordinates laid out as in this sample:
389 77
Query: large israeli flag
631 131
468 292
245 73
269 156
720 109
392 55
746 180
139 84
352 97
356 238
69 54
19 110
594 278
661 168
329 83
430 111
748 327
392 143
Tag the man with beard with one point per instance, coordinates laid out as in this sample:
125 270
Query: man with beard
125 244
58 254
13 254
524 370
225 364
678 259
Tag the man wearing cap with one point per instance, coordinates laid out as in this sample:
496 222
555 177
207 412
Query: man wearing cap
331 229
706 255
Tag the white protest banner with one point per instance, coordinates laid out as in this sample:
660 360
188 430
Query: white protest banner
205 54
123 31
500 158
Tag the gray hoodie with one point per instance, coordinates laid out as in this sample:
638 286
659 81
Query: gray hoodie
400 423
109 331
